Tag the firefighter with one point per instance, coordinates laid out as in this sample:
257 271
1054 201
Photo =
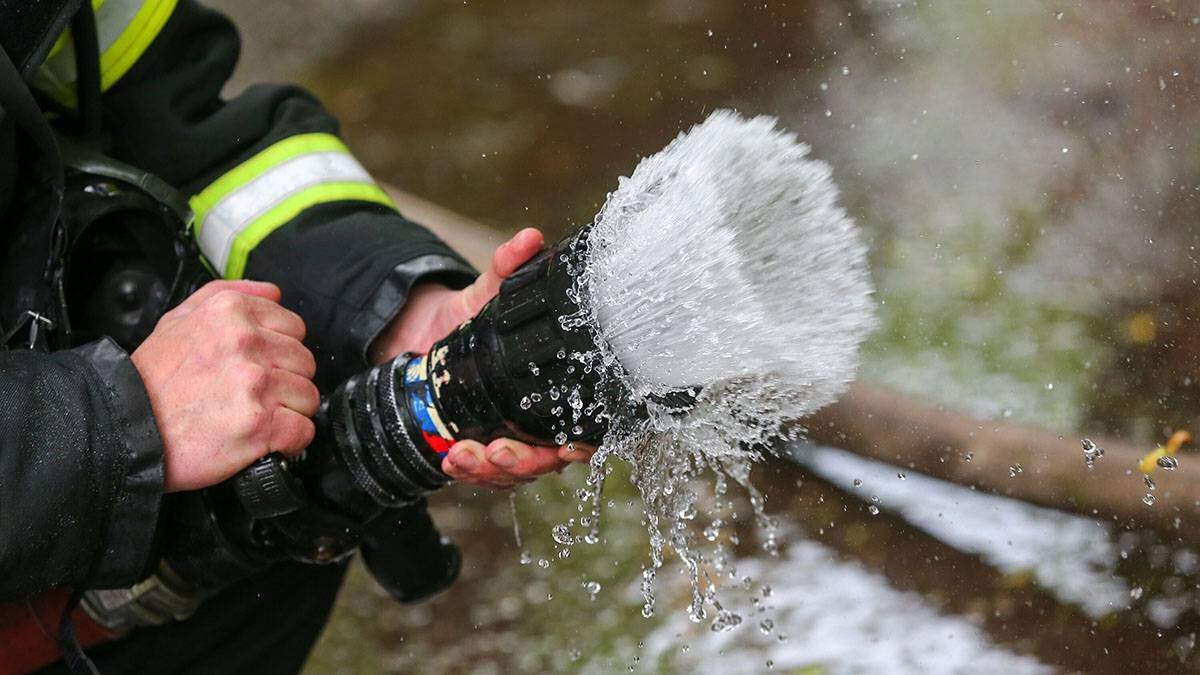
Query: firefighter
321 278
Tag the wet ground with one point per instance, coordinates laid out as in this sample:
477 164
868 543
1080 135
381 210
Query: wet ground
981 171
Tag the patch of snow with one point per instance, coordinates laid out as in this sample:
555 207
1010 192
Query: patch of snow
839 616
1074 558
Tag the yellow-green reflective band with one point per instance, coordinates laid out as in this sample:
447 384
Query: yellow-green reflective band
289 209
276 154
124 29
242 207
134 40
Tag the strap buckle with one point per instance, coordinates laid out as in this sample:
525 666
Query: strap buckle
35 321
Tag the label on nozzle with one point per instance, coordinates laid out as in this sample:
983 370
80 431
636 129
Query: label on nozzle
420 401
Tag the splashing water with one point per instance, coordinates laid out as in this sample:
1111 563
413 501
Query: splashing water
723 267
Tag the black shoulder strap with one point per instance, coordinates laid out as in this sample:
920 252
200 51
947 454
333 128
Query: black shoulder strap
37 304
18 102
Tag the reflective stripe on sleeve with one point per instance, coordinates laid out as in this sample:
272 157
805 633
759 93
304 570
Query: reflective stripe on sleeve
242 207
124 31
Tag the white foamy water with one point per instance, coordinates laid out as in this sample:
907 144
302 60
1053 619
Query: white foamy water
726 256
724 267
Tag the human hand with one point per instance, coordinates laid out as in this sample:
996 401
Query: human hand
431 313
229 381
433 310
504 463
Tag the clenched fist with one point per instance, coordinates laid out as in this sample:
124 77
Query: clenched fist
229 381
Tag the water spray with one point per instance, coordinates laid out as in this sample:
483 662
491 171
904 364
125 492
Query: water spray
723 267
719 293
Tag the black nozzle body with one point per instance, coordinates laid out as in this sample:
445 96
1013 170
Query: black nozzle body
512 371
515 371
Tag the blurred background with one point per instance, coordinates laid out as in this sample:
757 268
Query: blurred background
1027 173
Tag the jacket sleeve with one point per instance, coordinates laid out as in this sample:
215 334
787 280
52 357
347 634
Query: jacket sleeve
80 471
277 196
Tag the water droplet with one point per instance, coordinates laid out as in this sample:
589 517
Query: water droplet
1015 470
696 611
543 563
874 510
1149 483
726 621
526 404
533 368
562 535
1149 499
535 397
901 475
1168 462
766 626
526 557
1091 453
770 664
857 482
1135 592
560 438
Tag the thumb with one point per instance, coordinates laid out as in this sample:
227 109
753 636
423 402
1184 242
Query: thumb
508 257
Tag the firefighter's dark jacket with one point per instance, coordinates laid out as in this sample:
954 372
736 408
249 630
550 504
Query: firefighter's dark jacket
81 474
